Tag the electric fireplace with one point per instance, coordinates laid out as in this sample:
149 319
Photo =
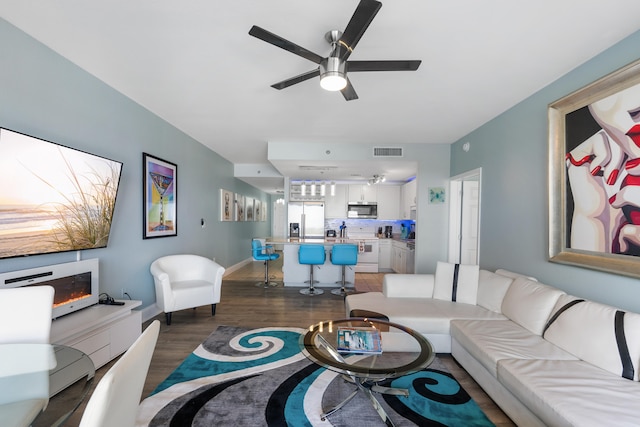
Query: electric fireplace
75 284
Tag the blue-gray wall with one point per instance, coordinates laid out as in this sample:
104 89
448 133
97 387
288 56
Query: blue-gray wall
512 151
44 95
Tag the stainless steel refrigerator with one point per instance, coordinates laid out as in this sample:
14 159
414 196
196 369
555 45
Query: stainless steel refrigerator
310 216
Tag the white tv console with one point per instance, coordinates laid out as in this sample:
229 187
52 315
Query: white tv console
101 331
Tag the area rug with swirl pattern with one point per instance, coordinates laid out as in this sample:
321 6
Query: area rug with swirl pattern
259 377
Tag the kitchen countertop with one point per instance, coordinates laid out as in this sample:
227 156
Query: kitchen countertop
325 240
332 240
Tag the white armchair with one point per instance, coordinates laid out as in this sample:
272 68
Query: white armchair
186 281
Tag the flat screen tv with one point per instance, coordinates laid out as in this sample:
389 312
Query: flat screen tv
53 198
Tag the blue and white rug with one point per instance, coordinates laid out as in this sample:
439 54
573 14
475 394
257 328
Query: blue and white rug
239 377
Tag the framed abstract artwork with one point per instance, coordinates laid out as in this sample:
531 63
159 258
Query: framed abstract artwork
239 203
594 175
248 208
159 186
257 210
226 205
436 195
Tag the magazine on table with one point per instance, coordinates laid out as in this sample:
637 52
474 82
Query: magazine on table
359 340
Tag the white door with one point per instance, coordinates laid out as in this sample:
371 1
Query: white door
464 218
469 223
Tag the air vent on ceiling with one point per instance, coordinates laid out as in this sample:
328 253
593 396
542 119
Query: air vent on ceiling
387 151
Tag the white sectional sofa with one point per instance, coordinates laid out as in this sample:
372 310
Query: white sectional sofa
545 357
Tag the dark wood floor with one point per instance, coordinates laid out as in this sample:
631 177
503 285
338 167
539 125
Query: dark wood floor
243 304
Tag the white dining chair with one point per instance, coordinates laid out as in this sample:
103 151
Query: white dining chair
25 314
115 400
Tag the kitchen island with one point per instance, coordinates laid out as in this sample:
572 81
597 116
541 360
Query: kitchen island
327 275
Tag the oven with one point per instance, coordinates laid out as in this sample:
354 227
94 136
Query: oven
368 252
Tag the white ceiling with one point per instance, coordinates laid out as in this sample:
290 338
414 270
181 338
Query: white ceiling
193 63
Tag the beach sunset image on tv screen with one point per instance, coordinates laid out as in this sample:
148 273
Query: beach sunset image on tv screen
53 198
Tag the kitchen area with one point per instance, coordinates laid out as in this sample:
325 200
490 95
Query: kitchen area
379 219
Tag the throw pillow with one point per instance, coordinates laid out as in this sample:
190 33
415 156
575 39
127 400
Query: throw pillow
456 282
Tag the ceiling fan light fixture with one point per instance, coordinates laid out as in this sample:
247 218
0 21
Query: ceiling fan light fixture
332 74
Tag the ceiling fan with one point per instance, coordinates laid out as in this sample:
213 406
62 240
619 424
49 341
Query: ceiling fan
334 68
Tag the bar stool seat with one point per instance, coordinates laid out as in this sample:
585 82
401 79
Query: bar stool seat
262 252
343 254
311 255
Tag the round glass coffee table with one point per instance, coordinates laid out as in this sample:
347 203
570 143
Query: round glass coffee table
326 344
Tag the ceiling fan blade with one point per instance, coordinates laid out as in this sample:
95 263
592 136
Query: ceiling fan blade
383 65
349 92
362 17
297 79
278 41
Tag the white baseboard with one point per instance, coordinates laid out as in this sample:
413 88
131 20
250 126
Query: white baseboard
237 266
150 311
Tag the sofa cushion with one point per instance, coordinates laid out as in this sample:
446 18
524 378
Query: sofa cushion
529 303
456 282
490 341
491 290
408 285
588 330
571 393
431 316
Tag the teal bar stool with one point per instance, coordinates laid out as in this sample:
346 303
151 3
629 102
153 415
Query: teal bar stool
264 253
311 255
344 255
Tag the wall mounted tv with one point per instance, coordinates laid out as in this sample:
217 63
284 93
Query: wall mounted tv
53 198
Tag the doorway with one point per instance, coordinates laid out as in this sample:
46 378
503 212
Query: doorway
464 221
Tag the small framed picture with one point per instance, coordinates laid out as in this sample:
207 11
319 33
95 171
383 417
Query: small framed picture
436 195
226 205
257 210
248 209
239 207
160 184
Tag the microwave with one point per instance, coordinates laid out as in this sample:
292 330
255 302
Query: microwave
367 210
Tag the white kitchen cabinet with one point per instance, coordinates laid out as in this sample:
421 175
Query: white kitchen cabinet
410 261
389 202
336 206
363 193
409 198
384 256
397 257
402 258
